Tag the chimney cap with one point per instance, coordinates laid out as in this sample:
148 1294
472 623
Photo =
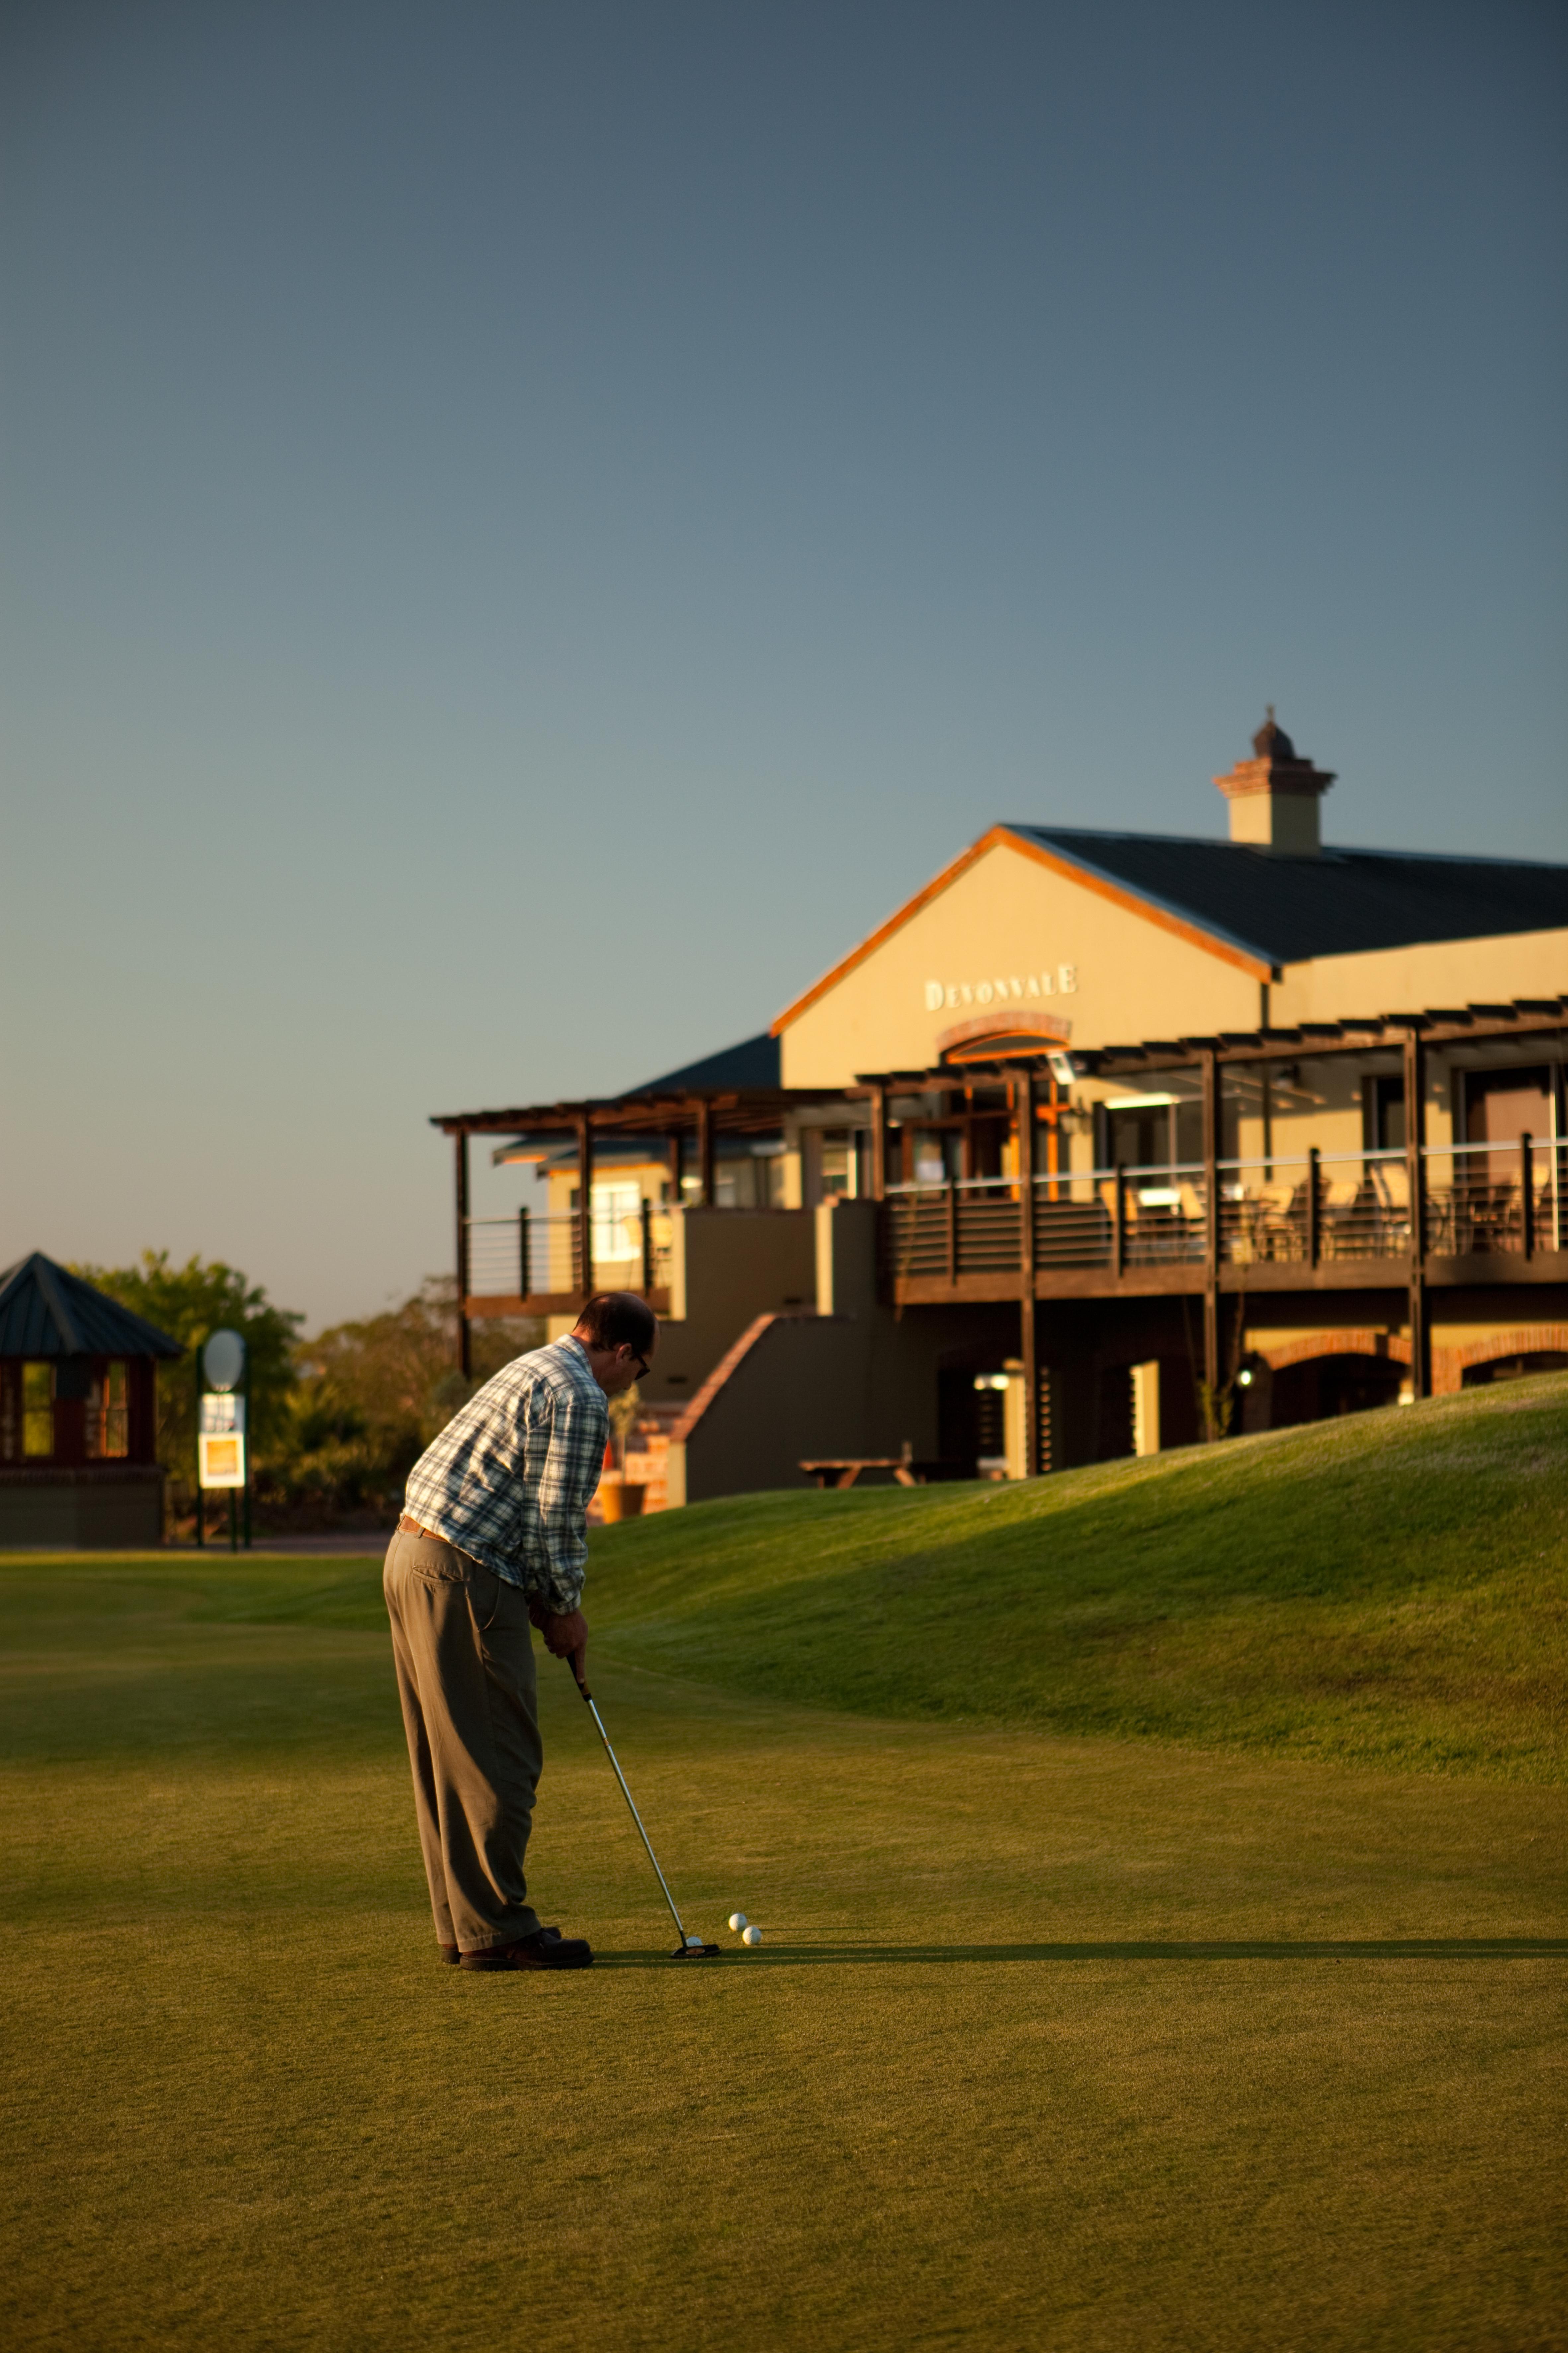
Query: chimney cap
1275 766
1274 797
1271 743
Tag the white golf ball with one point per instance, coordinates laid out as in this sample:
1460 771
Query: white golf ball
751 1935
736 1921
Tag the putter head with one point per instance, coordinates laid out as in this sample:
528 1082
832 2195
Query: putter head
693 1950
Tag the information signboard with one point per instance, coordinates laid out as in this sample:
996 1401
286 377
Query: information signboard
220 1441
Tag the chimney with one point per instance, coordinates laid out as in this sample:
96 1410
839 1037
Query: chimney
1274 795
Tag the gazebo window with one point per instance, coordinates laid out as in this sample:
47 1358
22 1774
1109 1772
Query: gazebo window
37 1409
109 1413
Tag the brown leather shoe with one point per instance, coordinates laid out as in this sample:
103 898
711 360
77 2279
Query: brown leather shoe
548 1949
452 1954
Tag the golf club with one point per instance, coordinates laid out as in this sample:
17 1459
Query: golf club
690 1948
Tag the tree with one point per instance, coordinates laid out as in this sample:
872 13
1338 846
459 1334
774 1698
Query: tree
372 1395
190 1302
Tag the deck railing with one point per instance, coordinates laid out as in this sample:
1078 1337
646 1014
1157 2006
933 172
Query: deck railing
1326 1206
531 1254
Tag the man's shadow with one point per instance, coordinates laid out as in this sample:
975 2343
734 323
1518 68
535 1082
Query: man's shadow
1276 1948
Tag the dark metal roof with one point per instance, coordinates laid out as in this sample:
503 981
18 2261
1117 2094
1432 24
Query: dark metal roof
738 1091
44 1311
754 1062
1285 909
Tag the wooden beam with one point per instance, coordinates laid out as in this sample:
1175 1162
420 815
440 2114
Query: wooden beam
705 1152
878 1095
1415 1073
481 1305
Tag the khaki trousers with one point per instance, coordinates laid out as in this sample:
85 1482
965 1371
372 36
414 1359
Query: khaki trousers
464 1652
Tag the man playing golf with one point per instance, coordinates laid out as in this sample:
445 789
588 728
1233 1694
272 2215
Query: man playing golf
492 1543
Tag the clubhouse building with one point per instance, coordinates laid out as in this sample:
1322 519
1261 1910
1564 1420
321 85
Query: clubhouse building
1103 1142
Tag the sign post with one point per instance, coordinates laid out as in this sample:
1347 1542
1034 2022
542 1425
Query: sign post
221 1463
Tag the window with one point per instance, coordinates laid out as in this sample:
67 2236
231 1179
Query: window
1384 1115
1158 1132
617 1224
937 1156
37 1409
838 1163
109 1413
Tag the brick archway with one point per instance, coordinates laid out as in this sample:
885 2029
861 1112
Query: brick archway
1391 1345
1449 1363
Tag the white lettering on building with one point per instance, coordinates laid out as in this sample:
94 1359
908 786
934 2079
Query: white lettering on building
1009 989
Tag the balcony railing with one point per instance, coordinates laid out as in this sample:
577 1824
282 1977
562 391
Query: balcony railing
531 1255
1328 1207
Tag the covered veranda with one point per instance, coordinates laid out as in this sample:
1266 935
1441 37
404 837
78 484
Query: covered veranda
539 1264
987 1197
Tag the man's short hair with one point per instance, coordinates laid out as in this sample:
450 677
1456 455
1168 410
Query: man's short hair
618 1319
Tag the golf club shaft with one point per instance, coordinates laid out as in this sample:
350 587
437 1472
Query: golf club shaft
636 1817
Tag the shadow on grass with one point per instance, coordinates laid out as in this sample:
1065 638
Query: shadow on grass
1309 1948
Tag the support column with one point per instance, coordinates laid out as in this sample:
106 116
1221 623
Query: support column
464 1337
1415 1073
705 1152
879 1142
1211 1111
1024 1112
585 1203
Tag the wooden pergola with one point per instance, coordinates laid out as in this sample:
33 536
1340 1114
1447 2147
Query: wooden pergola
672 1119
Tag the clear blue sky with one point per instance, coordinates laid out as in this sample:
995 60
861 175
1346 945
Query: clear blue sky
529 528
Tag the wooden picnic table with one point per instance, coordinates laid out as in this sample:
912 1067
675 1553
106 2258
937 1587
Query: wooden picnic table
842 1471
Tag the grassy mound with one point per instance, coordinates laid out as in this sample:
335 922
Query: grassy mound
1389 1587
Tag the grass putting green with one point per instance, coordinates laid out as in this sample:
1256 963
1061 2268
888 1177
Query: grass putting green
1057 2039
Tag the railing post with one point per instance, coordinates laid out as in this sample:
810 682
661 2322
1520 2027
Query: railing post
1527 1193
522 1254
1118 1223
1314 1207
465 1339
646 1245
952 1230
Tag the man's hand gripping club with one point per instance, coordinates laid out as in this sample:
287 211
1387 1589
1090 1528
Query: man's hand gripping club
564 1636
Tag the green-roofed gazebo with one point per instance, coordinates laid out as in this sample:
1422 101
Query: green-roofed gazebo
78 1464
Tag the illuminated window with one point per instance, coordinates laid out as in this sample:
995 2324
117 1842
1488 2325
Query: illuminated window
618 1223
38 1408
840 1163
109 1413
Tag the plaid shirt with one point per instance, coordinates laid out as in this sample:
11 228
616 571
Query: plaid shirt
511 1475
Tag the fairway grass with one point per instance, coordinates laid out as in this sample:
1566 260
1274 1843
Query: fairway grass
1056 2039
